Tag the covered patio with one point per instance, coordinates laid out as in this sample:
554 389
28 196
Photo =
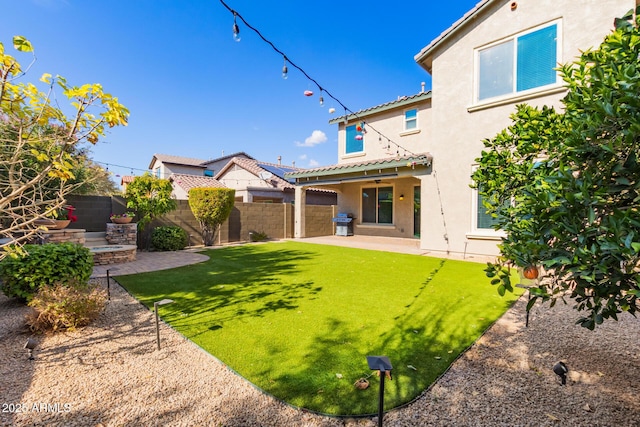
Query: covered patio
382 195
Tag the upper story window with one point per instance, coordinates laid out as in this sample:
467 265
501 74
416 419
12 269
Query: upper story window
157 171
208 172
411 119
520 63
355 140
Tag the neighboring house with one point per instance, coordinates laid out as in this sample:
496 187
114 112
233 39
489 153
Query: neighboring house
125 181
182 183
256 181
499 54
163 165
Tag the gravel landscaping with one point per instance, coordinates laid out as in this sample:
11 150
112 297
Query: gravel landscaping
111 374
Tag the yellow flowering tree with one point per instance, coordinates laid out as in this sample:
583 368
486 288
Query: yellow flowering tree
38 137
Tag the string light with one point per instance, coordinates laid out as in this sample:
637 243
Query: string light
321 98
285 70
348 112
236 29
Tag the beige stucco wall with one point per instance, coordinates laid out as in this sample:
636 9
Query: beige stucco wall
457 132
390 124
349 197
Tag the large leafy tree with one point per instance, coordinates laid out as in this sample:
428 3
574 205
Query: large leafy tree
149 197
565 187
38 139
211 207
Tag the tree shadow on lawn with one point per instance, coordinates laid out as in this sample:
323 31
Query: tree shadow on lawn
208 294
422 341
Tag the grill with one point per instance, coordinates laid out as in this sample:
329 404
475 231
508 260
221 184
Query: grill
344 224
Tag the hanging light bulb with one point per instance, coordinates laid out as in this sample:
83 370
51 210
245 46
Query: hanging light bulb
285 70
236 29
321 99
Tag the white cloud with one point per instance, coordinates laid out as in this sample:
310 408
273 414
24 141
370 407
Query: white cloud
303 157
313 163
317 137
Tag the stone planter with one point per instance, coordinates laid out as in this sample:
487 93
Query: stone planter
122 220
53 224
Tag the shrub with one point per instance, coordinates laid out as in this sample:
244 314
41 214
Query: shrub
257 236
23 272
65 307
170 238
211 207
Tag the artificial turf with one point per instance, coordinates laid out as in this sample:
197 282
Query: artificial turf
298 319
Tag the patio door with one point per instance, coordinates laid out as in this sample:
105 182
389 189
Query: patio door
416 211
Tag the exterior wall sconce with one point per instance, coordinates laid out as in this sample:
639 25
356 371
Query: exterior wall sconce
401 197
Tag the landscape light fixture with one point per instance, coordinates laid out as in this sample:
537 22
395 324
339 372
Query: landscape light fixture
155 308
30 345
382 364
109 283
561 370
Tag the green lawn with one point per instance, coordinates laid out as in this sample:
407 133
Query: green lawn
290 316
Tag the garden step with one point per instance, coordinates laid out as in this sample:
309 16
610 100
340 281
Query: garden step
95 238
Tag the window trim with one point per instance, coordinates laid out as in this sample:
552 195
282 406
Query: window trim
480 233
393 206
417 126
515 94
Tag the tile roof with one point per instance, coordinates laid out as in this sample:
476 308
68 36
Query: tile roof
187 182
229 156
254 166
401 101
177 160
420 56
127 179
364 166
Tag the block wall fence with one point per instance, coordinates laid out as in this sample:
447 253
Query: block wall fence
276 220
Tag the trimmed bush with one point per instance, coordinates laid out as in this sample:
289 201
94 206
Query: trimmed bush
169 238
24 272
65 307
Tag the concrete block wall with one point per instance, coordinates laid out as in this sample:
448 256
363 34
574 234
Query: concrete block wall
274 219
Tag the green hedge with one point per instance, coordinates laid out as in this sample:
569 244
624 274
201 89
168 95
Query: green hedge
169 238
23 272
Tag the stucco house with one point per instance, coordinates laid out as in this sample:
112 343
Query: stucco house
163 165
404 167
263 182
253 180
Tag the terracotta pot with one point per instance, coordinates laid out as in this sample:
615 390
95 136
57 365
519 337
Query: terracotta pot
53 224
122 220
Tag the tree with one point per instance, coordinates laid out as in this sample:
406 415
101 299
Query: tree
211 207
38 138
150 197
565 187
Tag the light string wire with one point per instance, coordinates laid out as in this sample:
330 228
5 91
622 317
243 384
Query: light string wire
348 111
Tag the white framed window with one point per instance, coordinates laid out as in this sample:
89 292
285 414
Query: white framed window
411 119
377 205
157 171
481 222
519 64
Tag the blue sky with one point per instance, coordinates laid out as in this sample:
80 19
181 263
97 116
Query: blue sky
195 92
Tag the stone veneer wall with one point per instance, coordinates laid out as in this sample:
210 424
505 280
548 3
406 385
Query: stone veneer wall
116 256
122 234
66 235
